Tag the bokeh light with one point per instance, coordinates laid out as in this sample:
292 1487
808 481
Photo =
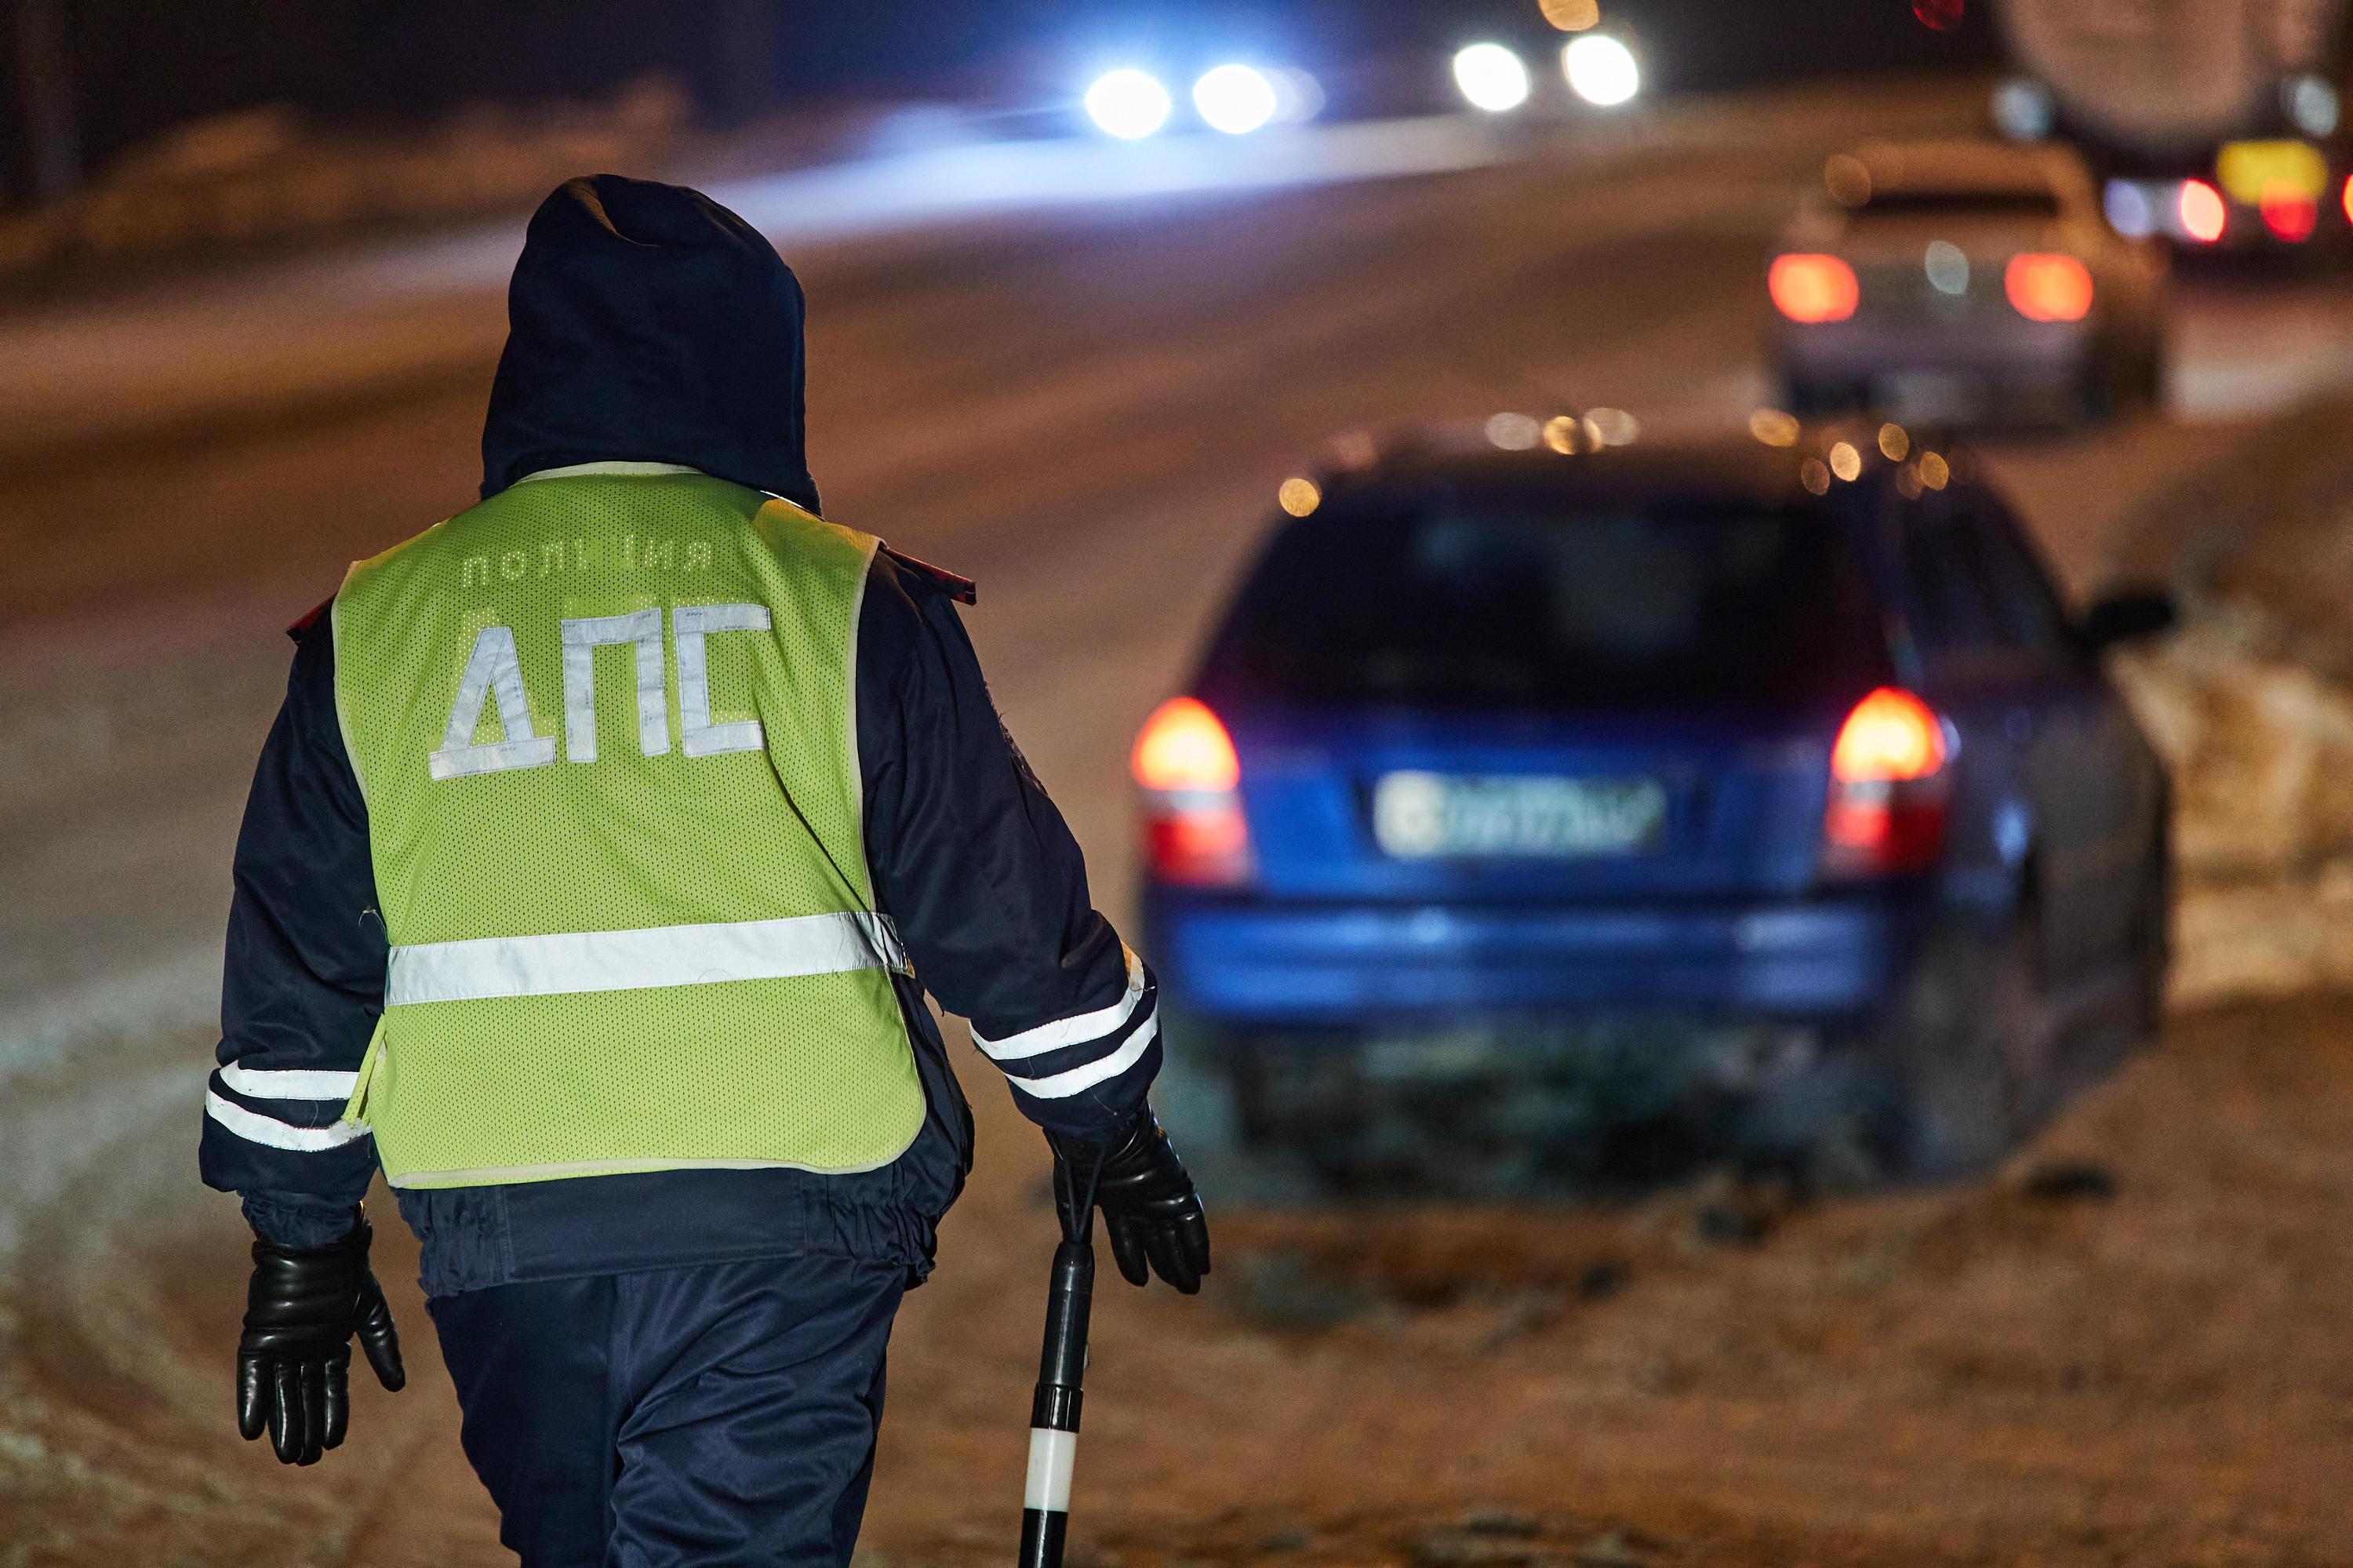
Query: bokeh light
1948 267
1514 432
1569 435
2203 216
1892 735
2023 110
1572 16
1616 426
1845 461
2314 105
1299 496
1847 179
1492 77
1939 16
1184 745
2290 214
2127 207
1236 99
1298 96
1601 70
2048 288
1774 428
1894 442
1813 289
1128 104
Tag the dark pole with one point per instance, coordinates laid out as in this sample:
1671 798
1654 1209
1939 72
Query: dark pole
1054 1410
47 86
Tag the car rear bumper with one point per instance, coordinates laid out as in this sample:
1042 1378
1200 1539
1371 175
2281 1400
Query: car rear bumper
1253 963
2006 349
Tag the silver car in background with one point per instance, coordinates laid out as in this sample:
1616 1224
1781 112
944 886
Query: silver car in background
1965 281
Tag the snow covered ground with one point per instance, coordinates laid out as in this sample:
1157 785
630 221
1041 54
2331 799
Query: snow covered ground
1088 407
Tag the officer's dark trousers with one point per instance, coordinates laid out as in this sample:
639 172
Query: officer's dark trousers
718 1414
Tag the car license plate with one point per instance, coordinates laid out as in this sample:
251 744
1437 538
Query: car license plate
1431 816
1926 396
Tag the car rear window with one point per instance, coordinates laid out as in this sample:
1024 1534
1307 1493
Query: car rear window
1453 604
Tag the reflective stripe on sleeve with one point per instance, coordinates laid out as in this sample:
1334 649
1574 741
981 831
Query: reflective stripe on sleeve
572 962
1062 1086
288 1083
1102 1021
255 1127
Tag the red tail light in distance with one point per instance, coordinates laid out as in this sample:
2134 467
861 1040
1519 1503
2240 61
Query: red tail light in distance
2290 214
1194 830
2202 212
2048 288
1813 289
1888 789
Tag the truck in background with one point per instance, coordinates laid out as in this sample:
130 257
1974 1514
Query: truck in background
2214 124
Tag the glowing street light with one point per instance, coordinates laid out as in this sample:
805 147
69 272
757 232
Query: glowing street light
1236 99
1128 104
1601 70
1491 77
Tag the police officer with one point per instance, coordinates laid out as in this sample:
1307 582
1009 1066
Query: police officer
592 878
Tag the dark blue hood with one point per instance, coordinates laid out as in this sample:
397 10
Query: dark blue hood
646 322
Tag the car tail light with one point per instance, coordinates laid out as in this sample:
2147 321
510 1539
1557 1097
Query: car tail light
1194 829
1811 289
1888 789
2202 213
2288 213
2049 288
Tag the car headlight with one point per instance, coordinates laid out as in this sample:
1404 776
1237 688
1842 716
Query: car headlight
1235 98
1128 104
1492 77
1601 70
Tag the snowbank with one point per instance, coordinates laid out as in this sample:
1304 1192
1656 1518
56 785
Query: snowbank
2252 706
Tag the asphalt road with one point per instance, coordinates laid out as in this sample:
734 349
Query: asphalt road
1087 406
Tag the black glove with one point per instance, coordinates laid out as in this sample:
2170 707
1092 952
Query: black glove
1149 1204
301 1312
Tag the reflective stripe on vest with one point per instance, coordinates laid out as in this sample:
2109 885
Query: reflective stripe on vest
486 967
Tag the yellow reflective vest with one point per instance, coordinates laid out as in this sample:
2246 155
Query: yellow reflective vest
605 727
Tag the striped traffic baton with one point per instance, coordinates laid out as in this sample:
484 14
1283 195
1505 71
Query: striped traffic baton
1054 1409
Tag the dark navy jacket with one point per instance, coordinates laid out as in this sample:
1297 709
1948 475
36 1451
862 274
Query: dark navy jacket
650 325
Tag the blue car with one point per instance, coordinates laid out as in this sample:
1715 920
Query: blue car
1775 765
